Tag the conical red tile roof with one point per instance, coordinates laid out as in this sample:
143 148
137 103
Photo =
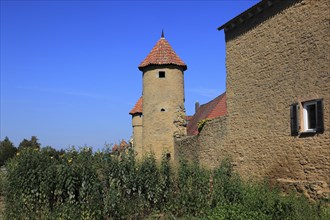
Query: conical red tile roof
161 54
137 108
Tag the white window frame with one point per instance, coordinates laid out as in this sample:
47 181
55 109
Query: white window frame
305 116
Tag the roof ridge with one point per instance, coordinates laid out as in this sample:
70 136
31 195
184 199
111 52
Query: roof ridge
213 99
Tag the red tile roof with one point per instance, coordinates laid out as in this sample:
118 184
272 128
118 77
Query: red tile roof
123 144
215 108
115 148
137 108
162 54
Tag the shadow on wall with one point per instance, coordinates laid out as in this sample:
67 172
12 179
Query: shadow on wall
262 17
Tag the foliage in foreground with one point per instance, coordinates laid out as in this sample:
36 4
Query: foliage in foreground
83 185
7 150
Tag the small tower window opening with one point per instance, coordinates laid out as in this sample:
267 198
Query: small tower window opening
161 74
162 110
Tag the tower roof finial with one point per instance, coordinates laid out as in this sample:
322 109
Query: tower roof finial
162 34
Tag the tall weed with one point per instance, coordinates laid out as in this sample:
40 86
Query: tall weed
80 184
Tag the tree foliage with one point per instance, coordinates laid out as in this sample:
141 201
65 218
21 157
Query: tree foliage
33 143
7 151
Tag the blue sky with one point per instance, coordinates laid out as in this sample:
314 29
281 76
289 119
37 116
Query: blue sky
69 68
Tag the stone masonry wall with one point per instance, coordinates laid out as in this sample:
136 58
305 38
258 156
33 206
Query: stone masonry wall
205 145
161 98
211 140
187 148
279 57
137 134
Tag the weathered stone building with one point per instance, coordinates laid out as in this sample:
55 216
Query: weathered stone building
277 97
156 116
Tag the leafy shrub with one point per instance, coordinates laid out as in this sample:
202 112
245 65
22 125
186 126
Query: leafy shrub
226 184
237 212
40 186
166 185
193 189
2 183
79 184
7 150
201 124
2 191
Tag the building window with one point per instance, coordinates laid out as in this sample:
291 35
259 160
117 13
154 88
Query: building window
310 116
311 113
162 110
161 74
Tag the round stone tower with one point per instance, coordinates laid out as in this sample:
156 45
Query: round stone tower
136 113
163 95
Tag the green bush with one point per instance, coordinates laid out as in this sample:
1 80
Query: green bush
40 186
2 190
7 151
227 185
80 184
2 183
237 212
193 189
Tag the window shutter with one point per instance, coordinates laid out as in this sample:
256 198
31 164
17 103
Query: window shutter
320 123
294 119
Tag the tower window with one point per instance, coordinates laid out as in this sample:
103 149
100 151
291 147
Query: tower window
162 110
161 74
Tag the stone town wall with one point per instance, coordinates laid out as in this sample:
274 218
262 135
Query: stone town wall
211 140
187 148
205 146
280 57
